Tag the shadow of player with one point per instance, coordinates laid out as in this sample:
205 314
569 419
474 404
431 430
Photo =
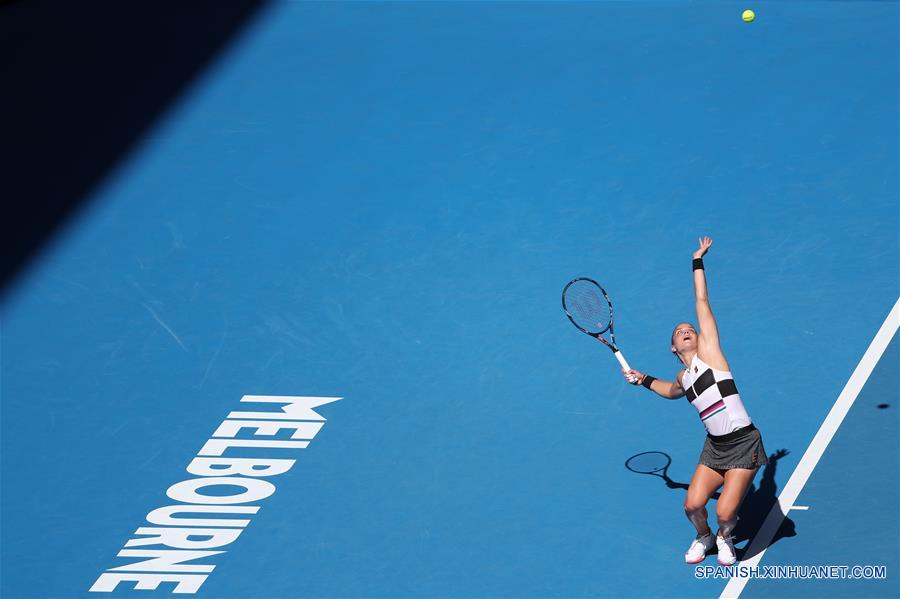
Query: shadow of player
757 503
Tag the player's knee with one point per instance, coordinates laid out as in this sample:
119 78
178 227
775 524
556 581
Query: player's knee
725 513
692 506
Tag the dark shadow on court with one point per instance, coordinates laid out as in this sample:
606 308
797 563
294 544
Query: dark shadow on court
656 463
757 504
82 82
753 511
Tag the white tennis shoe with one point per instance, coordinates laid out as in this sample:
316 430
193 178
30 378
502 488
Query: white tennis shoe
696 553
726 551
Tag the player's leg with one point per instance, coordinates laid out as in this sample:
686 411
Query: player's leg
737 483
703 484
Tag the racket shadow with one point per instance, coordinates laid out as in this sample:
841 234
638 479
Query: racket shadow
656 463
754 508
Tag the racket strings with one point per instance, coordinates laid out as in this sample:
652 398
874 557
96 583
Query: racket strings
587 305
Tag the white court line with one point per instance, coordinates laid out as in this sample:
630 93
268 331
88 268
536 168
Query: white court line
799 507
814 452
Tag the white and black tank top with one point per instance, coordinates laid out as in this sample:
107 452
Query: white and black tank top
715 396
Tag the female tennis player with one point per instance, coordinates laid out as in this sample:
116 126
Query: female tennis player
733 450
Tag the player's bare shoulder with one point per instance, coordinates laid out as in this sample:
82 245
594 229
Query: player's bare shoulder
712 355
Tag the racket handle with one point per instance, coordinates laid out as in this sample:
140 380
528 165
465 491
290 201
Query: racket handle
621 359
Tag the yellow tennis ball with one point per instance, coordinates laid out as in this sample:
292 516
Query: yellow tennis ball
748 16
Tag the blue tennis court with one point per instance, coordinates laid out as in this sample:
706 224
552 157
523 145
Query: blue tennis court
356 223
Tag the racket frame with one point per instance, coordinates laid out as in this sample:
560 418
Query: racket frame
598 335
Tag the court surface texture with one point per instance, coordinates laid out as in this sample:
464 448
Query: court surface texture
381 202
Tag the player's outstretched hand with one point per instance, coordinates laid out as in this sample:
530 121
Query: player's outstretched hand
705 244
633 376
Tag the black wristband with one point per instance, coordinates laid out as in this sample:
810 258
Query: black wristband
648 380
698 263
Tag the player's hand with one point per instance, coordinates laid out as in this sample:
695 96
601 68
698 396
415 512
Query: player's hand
633 376
705 244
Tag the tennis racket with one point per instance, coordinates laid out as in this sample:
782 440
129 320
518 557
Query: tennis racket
589 308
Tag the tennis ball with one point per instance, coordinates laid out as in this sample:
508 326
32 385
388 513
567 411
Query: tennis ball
748 16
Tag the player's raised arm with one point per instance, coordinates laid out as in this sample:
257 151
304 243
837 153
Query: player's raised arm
665 389
709 332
